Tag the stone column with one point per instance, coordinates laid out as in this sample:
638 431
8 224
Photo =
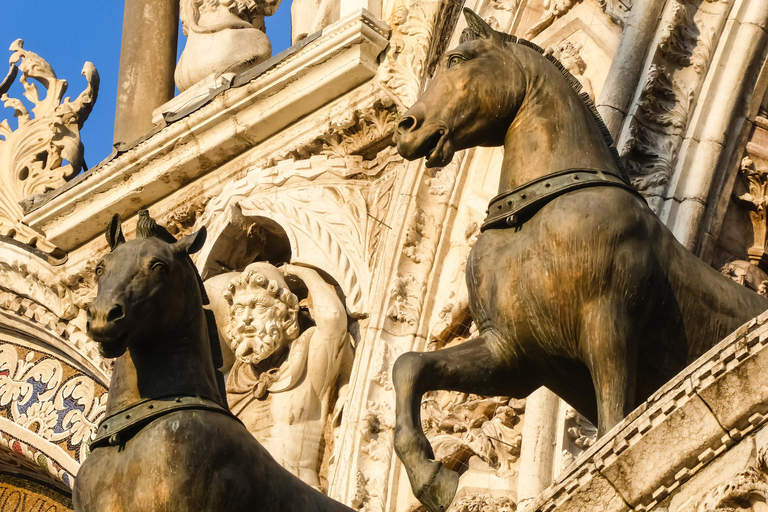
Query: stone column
627 65
537 452
147 62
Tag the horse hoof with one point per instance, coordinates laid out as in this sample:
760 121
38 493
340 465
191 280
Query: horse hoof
438 493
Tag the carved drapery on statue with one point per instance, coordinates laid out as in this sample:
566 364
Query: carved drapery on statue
223 36
285 379
45 151
228 36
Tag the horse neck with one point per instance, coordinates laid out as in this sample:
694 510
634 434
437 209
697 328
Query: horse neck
552 131
175 362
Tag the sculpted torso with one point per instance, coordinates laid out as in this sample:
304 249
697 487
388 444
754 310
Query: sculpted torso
281 384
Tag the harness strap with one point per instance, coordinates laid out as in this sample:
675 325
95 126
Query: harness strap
507 208
121 426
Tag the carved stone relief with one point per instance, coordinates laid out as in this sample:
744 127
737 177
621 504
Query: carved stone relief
747 491
45 150
553 9
741 248
284 379
656 130
568 54
651 143
403 69
578 434
332 219
461 426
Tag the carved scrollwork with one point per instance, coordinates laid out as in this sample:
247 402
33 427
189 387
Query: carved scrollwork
45 150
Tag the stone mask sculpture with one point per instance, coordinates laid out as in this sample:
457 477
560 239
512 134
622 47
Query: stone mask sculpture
168 442
574 283
283 381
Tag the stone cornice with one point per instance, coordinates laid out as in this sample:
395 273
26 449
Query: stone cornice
697 416
341 58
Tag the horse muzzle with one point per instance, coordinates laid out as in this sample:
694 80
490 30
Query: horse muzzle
415 140
107 327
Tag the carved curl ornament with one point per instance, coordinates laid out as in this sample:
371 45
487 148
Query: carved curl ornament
45 150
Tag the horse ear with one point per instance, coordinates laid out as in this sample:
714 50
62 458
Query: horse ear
477 25
190 244
115 232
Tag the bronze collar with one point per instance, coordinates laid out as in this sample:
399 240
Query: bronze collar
507 208
121 426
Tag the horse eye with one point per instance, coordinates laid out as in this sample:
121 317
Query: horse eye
453 60
99 271
158 266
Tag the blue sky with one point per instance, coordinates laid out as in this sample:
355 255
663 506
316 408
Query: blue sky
67 34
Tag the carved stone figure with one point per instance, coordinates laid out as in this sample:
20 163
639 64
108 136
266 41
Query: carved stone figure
553 9
45 151
569 55
223 36
309 16
574 283
283 380
168 442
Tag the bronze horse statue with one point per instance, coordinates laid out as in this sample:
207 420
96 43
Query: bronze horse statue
168 442
574 283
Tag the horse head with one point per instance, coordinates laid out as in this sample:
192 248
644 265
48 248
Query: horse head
147 287
458 110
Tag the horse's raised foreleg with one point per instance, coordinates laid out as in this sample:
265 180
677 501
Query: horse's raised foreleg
469 368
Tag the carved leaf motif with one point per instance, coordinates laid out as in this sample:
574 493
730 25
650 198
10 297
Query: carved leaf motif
32 157
403 67
679 34
406 297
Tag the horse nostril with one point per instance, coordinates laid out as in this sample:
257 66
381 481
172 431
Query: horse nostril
115 314
406 124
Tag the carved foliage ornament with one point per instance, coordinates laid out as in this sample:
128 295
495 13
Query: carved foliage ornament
755 200
45 150
741 492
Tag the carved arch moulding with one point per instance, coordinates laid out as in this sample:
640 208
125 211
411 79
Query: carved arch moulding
332 219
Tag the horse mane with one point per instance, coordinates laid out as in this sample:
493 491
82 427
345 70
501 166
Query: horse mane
472 33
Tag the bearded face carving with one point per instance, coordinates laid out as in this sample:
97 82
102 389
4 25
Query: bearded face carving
263 314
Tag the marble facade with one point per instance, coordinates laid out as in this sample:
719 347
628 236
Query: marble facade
289 159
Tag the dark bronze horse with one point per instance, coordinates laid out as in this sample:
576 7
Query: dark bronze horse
574 284
169 443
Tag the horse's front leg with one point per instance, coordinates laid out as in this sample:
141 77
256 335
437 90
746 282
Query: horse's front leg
471 367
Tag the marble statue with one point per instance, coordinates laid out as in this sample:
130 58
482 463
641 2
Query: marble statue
228 36
223 36
574 284
282 381
168 441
